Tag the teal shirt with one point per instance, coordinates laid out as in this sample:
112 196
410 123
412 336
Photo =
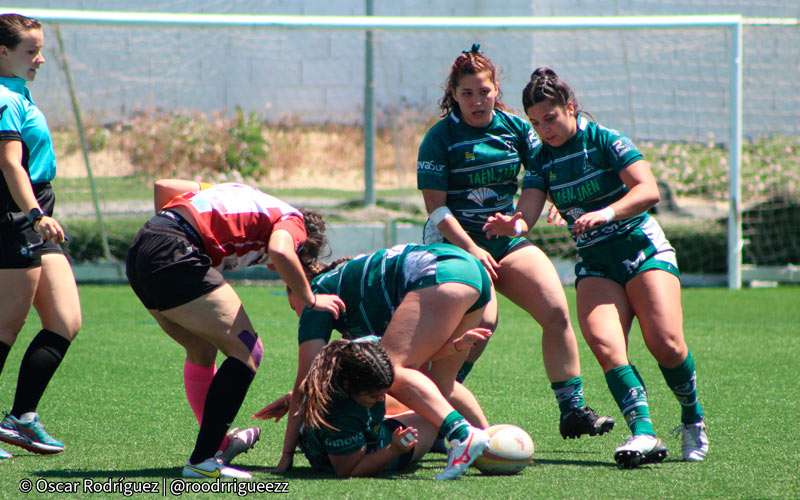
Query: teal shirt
582 175
356 426
371 286
21 120
477 167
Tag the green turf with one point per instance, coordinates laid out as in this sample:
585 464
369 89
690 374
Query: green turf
118 403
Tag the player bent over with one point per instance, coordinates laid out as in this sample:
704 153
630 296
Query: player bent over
174 265
425 302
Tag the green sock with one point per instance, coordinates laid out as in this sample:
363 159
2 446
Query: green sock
464 371
455 426
569 394
631 397
683 381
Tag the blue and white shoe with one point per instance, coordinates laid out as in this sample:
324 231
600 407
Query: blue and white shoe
214 468
29 433
4 454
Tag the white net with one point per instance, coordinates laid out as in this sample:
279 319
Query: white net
161 100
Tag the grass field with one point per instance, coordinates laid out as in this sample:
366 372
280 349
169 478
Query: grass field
118 404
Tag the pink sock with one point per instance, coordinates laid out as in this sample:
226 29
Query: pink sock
197 379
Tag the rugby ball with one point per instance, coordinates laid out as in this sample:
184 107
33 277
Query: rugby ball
510 450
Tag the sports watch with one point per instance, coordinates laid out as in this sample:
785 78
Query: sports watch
35 215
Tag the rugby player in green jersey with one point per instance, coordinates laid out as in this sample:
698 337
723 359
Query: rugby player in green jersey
603 188
345 429
467 169
425 302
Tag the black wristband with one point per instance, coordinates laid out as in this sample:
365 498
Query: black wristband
34 215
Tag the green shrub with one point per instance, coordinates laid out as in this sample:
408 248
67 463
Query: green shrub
247 150
84 238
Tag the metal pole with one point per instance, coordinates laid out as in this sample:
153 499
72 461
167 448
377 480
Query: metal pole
76 110
735 195
369 115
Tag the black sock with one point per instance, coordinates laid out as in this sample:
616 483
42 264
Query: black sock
225 397
40 362
3 354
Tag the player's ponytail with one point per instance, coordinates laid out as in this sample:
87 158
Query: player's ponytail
315 242
342 368
469 62
545 85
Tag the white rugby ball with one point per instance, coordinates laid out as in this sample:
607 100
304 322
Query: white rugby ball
510 450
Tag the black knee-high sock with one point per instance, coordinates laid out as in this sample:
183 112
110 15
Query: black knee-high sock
4 348
225 397
40 362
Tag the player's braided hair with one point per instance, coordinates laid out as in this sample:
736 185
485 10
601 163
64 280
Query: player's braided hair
545 85
469 62
12 26
343 367
316 241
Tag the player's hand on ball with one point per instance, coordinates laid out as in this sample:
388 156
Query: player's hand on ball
404 439
329 303
275 410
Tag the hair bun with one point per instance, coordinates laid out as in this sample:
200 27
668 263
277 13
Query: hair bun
543 72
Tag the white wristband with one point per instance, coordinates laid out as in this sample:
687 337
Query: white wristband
439 215
519 229
607 213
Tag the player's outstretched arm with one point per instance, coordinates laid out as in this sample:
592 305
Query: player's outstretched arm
361 463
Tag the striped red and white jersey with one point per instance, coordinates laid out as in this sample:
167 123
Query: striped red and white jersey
236 221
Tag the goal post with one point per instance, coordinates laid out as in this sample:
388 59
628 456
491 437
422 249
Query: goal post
733 25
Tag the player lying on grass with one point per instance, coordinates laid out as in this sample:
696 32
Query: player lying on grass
468 168
174 265
603 188
419 299
344 428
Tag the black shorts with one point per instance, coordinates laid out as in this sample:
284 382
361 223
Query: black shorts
167 265
21 247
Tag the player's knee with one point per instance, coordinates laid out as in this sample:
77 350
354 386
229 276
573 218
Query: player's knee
252 343
555 321
671 351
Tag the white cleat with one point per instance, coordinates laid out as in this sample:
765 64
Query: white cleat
214 468
463 453
638 450
239 441
694 439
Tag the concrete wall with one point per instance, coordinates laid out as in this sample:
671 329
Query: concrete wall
659 85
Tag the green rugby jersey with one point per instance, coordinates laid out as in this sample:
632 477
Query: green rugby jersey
478 167
582 175
372 286
358 427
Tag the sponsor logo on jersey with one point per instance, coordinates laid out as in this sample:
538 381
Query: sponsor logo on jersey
575 213
469 155
345 442
480 195
429 166
621 146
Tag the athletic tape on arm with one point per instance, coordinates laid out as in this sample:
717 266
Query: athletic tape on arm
440 214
